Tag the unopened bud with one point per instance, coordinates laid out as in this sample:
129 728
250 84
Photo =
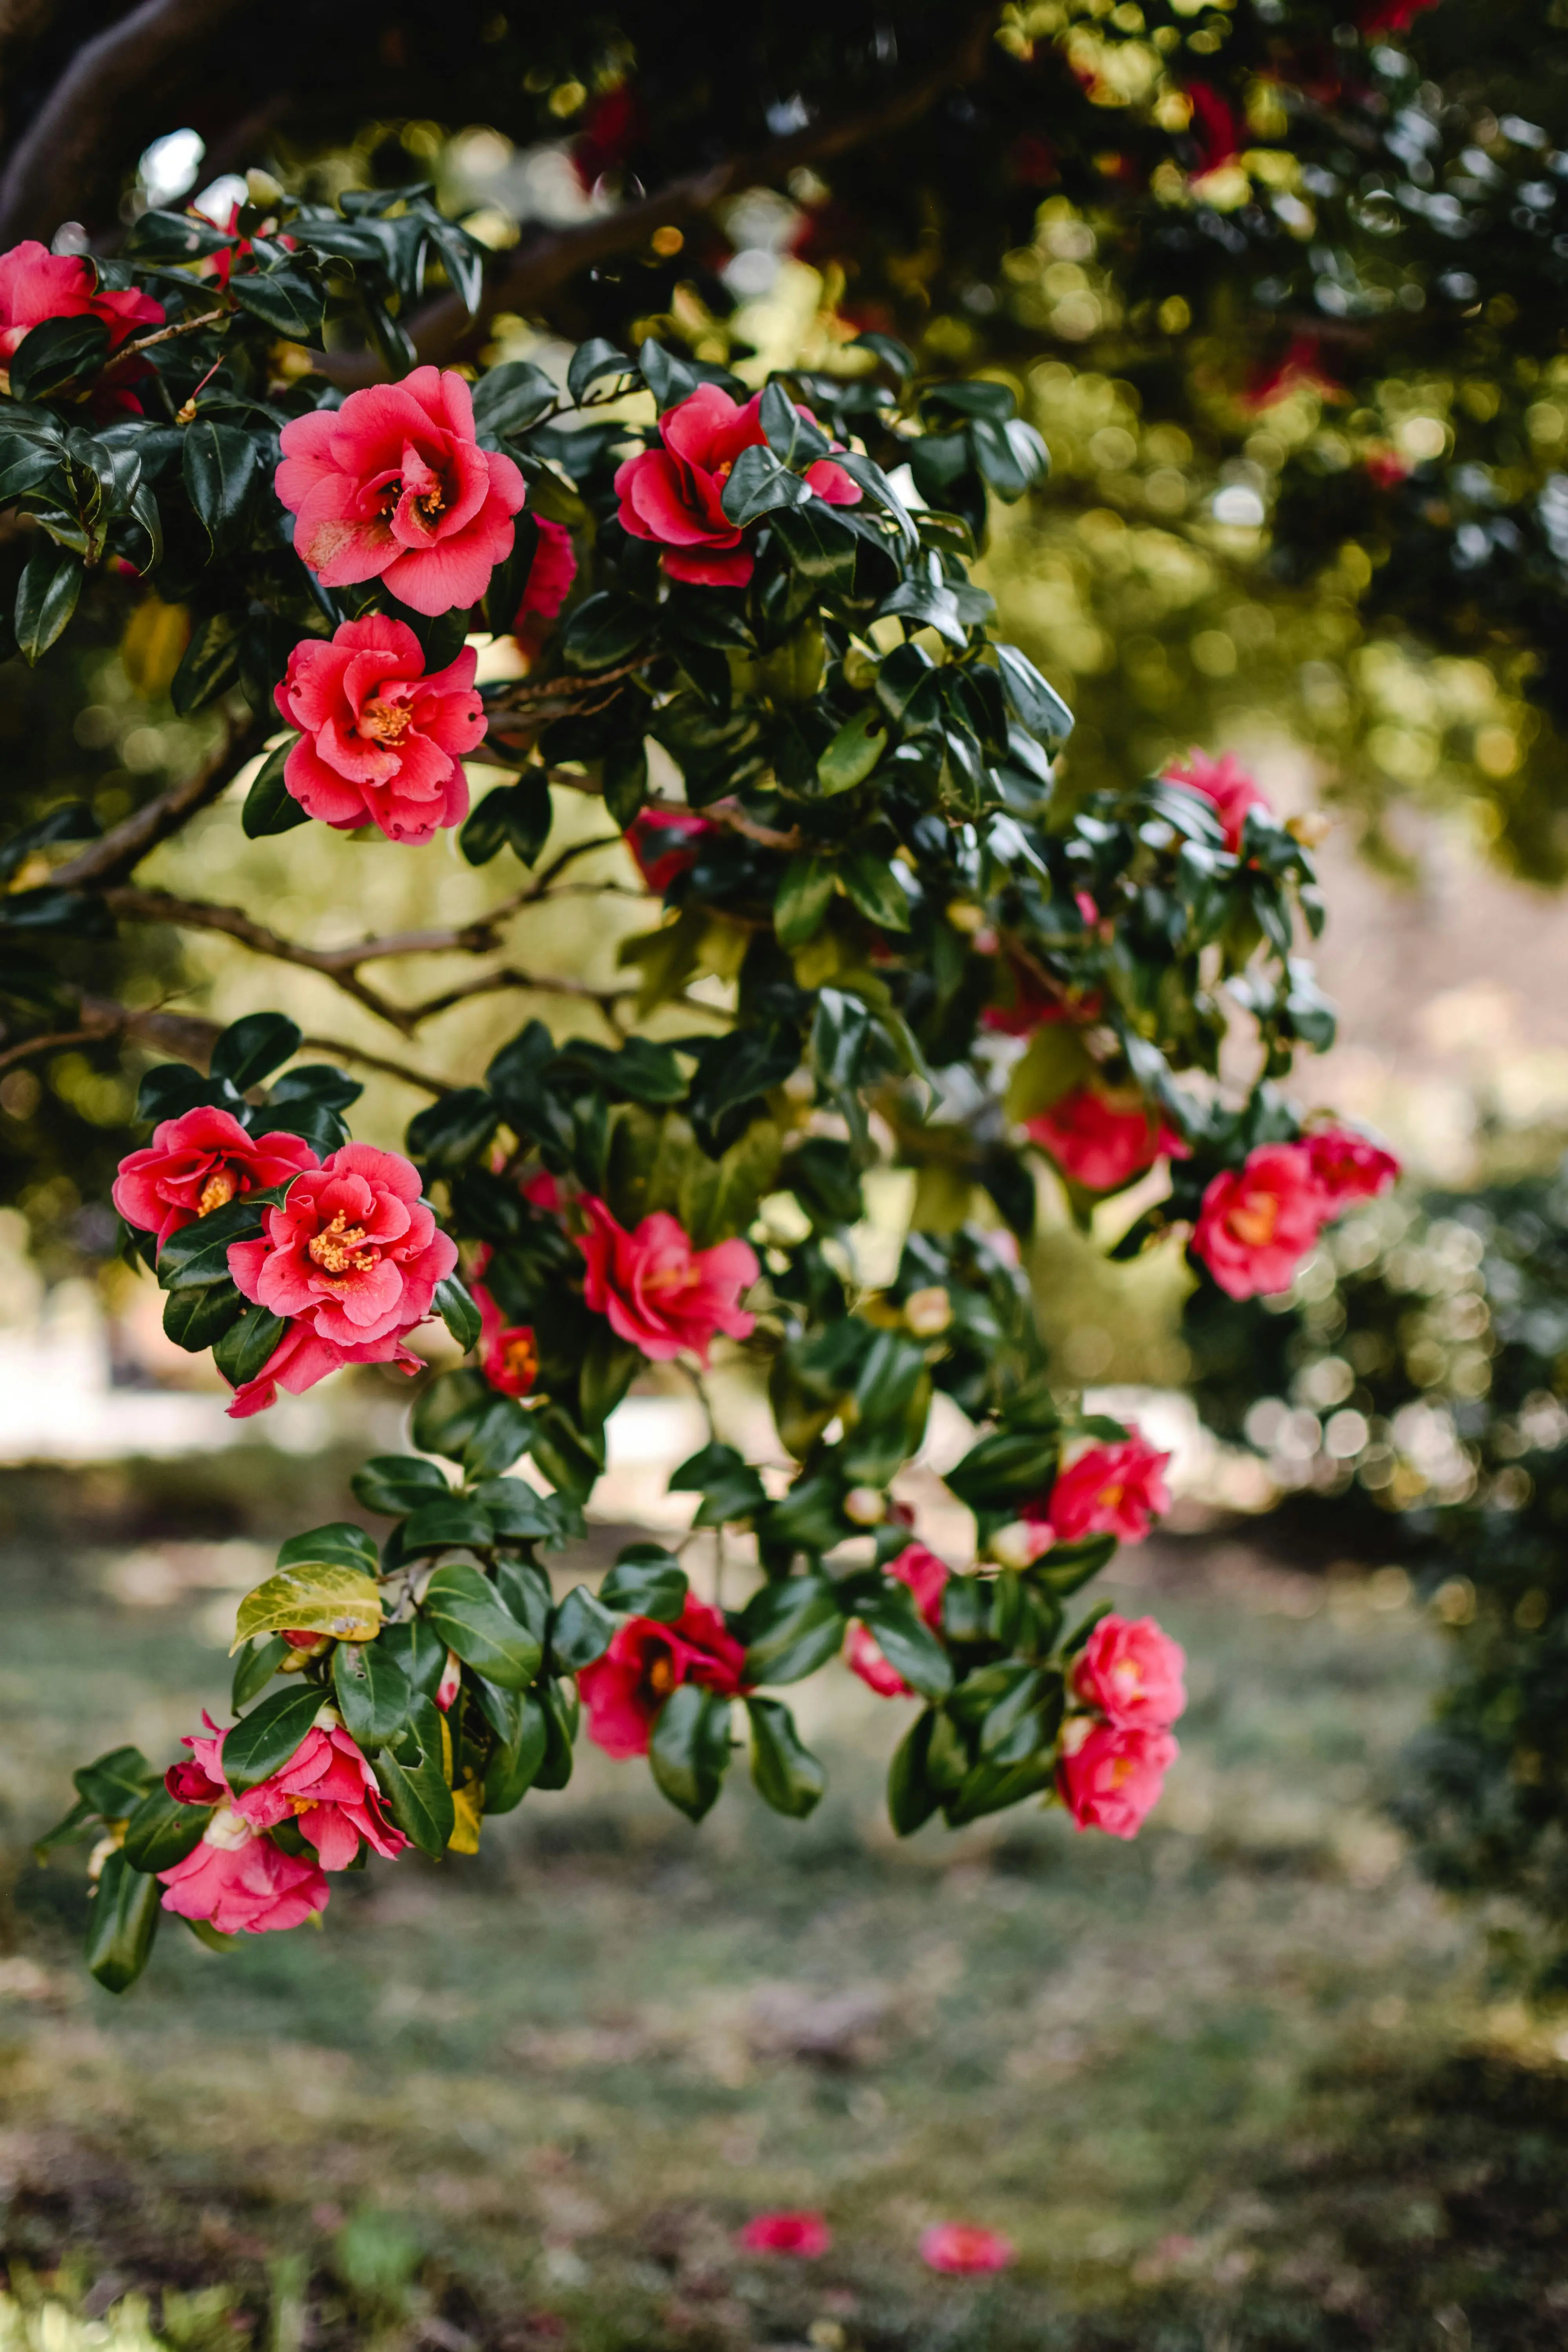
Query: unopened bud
965 916
865 1506
929 1312
1311 828
309 1645
451 1678
1020 1543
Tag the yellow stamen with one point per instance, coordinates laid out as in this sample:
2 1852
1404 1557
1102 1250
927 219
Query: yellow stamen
388 723
337 1249
660 1675
1254 1221
217 1191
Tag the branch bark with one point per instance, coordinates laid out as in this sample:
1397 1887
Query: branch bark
86 117
536 269
187 1037
124 845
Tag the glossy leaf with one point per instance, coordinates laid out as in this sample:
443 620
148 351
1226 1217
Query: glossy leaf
122 1924
688 1748
372 1691
462 1605
320 1597
785 1773
262 1742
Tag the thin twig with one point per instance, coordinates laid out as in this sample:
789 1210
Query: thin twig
167 334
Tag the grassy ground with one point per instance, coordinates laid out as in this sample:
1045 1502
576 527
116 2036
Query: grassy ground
1238 2086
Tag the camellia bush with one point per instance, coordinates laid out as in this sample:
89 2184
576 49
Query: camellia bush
743 635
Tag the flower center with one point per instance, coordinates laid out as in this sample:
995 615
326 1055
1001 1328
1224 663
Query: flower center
388 723
430 505
1253 1221
666 1280
217 1191
659 1674
338 1248
520 1356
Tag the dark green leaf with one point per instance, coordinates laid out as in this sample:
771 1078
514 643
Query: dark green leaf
515 1761
262 1742
853 753
593 361
907 1642
447 1413
1039 706
466 1611
1008 1467
372 1690
269 805
56 352
518 815
792 1627
412 1776
396 1482
500 1434
114 1784
582 1629
287 300
121 1923
199 1318
161 1831
803 899
247 1345
606 630
218 465
452 1132
248 1049
870 883
254 1668
646 1581
786 1774
340 1543
625 780
758 484
820 547
46 594
689 1748
454 1303
512 397
445 1522
911 1799
209 666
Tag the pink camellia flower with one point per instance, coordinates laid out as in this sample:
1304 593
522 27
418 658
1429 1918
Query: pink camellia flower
1225 783
963 2249
1348 1166
550 576
302 1357
240 1882
509 1354
1101 1141
381 740
1132 1671
663 842
326 1787
673 495
393 486
1110 1776
1257 1221
658 1292
36 285
806 2234
354 1252
199 1162
926 1576
1110 1490
623 1689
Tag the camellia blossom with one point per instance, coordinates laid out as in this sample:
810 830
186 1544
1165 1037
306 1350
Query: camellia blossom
926 1576
508 1355
663 842
1257 1221
963 2249
803 2235
1031 1004
326 1787
1225 783
393 486
199 1162
1110 1490
623 1689
36 285
1348 1166
302 1357
239 1882
354 1252
550 576
674 494
1110 1775
657 1291
1132 1671
380 742
1099 1141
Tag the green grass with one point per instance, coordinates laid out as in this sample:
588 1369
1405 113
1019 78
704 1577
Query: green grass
1238 2086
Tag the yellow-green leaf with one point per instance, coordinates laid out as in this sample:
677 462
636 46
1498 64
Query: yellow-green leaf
1056 1061
314 1596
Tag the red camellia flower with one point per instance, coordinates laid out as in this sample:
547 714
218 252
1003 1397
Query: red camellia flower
926 1576
963 2249
658 1292
302 1357
1110 1490
624 1690
673 495
36 285
1225 783
508 1357
1132 1671
1348 1166
806 2234
1100 1141
199 1162
240 1882
326 1787
663 844
393 486
1110 1776
1218 132
381 740
550 576
354 1252
1031 1004
1257 1221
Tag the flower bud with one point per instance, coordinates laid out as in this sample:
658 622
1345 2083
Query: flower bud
928 1312
451 1677
865 1506
1020 1543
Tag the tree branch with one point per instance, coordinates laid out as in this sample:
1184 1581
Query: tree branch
187 1037
535 269
85 120
124 845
